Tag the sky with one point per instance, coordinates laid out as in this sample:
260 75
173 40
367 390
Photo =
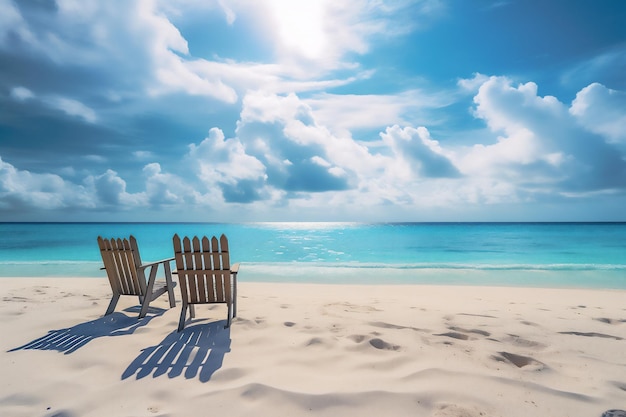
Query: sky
316 110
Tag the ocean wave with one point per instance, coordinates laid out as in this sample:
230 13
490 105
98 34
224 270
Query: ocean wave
49 262
440 266
583 275
364 265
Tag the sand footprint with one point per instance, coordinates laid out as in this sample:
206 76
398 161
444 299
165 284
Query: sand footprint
614 413
380 344
257 322
520 361
384 325
475 331
610 321
477 315
357 338
374 342
521 342
592 334
320 342
454 335
453 410
16 299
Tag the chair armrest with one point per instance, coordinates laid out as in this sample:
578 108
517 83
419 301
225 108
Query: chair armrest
162 261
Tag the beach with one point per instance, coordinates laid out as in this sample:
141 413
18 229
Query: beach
314 349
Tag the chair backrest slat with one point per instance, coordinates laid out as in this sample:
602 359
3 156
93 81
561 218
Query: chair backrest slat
215 254
225 253
179 260
189 260
121 261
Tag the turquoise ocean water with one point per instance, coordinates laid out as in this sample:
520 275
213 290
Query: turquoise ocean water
589 255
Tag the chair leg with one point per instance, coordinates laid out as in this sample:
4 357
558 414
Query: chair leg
144 307
192 311
234 295
183 314
149 290
112 304
170 284
229 318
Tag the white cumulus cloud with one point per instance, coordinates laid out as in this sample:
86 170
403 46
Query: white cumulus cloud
21 189
603 111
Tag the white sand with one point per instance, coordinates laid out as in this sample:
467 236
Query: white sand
300 350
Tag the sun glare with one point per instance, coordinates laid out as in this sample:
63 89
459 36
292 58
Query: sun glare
300 26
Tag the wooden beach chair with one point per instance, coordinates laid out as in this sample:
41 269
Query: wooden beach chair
205 275
127 275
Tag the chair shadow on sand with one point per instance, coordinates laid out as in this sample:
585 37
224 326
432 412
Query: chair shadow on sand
71 339
195 351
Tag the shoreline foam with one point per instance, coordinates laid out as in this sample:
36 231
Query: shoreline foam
609 278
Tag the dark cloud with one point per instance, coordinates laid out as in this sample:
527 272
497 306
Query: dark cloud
310 177
289 161
110 188
244 191
423 154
